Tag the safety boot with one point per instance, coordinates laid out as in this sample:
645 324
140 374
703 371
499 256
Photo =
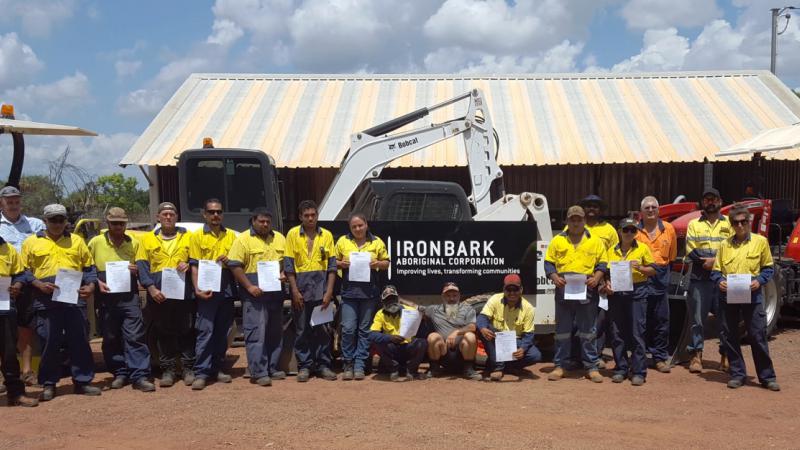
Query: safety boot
594 376
167 379
556 374
696 363
23 400
663 367
724 364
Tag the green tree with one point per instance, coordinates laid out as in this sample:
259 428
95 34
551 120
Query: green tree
38 191
122 191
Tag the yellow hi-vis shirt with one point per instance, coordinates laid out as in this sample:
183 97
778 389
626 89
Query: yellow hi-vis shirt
603 231
10 261
103 250
388 324
161 253
743 257
637 252
506 318
583 258
43 256
204 244
310 269
377 250
249 249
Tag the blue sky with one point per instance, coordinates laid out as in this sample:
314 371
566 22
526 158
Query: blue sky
109 66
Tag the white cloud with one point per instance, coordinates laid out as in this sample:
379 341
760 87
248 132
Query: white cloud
37 17
127 68
560 58
224 32
663 50
17 60
648 14
52 98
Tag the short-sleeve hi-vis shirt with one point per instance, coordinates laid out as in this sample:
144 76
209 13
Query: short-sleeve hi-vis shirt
310 268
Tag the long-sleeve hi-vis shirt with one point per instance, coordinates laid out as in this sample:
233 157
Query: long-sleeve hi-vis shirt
377 250
249 249
604 231
751 256
664 248
587 257
104 251
10 265
205 244
702 241
310 268
42 257
156 253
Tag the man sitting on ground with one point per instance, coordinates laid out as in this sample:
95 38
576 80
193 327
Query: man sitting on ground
452 344
405 354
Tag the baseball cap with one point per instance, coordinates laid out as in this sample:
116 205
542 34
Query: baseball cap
450 286
164 206
389 291
116 214
592 199
627 222
711 191
512 279
10 191
575 210
54 210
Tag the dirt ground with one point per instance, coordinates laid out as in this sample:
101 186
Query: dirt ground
673 410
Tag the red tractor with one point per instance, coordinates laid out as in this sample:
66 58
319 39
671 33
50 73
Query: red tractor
773 219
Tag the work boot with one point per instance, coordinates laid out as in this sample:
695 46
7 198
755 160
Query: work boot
86 389
394 376
601 363
696 363
167 379
724 364
470 373
188 377
327 374
303 375
618 378
735 383
772 386
29 378
348 373
279 375
223 377
2 388
198 384
23 400
556 374
48 393
119 382
595 376
264 381
496 375
435 369
663 367
143 385
637 380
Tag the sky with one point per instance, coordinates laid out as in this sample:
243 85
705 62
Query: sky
110 66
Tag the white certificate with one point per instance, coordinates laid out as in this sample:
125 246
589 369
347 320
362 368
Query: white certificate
5 296
621 276
68 282
320 316
359 266
505 344
409 323
739 288
576 286
269 276
209 276
603 303
173 284
118 276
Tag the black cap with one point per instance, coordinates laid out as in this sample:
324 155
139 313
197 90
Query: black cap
711 191
592 199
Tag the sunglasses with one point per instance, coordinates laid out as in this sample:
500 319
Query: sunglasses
629 230
57 220
214 212
740 222
511 288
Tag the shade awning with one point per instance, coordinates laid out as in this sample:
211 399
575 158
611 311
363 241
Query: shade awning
42 129
776 139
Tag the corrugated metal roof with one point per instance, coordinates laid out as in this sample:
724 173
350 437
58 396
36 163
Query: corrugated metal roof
306 121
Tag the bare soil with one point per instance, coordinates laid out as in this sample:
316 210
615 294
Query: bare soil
673 410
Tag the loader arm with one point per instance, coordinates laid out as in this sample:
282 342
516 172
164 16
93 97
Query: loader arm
372 149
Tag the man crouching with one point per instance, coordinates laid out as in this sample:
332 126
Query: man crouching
405 354
452 344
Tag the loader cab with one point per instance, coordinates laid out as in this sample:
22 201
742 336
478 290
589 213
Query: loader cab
242 179
412 200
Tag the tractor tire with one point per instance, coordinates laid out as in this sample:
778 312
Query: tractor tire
773 301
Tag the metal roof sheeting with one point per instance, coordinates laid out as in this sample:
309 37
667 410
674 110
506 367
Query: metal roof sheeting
306 121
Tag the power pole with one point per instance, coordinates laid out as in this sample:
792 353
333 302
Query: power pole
776 14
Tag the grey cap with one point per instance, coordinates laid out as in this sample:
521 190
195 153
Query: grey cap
628 222
10 191
54 210
167 206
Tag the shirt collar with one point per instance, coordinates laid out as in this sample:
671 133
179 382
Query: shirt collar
108 239
747 239
5 219
618 247
2 241
721 217
43 234
505 303
585 232
370 236
659 223
303 231
253 232
178 230
207 229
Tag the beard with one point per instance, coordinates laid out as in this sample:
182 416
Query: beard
711 208
451 310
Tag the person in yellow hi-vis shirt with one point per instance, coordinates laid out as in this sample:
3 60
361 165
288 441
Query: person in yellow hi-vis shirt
214 308
704 235
578 254
262 309
173 318
628 309
12 270
359 298
310 265
749 255
404 354
59 321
